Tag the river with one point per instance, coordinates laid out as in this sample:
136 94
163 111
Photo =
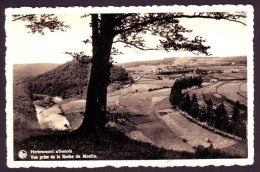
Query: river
52 118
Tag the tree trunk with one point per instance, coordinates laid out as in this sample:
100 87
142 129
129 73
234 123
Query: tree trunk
95 113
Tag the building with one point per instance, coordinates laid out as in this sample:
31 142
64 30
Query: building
213 80
57 99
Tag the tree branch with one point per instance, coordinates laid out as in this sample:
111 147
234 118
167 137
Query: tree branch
173 18
145 23
80 57
40 22
122 16
208 17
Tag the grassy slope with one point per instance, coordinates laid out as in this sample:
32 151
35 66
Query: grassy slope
23 109
114 145
25 121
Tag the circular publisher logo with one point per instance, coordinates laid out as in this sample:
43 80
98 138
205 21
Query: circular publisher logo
22 154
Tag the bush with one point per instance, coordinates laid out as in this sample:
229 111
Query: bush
153 89
118 73
175 97
185 103
188 82
221 120
210 153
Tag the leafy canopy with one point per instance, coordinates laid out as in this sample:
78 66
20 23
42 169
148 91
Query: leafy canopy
130 28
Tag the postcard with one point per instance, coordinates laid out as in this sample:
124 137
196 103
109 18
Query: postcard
158 86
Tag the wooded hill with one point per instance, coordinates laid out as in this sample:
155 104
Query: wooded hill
69 80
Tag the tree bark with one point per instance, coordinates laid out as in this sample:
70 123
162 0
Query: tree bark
102 39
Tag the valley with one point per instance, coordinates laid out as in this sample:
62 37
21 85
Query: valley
141 108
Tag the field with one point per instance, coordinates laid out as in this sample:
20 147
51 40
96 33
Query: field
171 130
146 115
193 134
219 92
142 111
162 125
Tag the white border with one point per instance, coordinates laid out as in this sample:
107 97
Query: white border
132 163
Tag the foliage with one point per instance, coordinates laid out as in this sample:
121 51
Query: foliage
187 82
185 103
221 120
175 72
65 80
128 28
159 88
175 97
194 98
118 73
194 110
46 102
70 79
38 23
208 153
180 84
237 126
235 112
80 57
213 117
210 112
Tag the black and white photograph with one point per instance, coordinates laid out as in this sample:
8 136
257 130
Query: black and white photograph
129 86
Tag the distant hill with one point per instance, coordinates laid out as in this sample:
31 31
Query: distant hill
70 80
28 70
138 63
208 60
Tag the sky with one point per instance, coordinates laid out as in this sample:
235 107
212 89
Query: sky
225 38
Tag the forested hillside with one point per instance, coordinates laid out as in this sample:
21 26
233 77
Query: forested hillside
69 80
66 79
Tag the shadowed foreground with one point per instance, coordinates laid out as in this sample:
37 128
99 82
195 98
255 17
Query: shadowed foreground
113 146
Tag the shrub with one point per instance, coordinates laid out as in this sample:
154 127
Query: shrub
153 89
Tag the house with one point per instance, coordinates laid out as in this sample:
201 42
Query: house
235 71
57 99
213 80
